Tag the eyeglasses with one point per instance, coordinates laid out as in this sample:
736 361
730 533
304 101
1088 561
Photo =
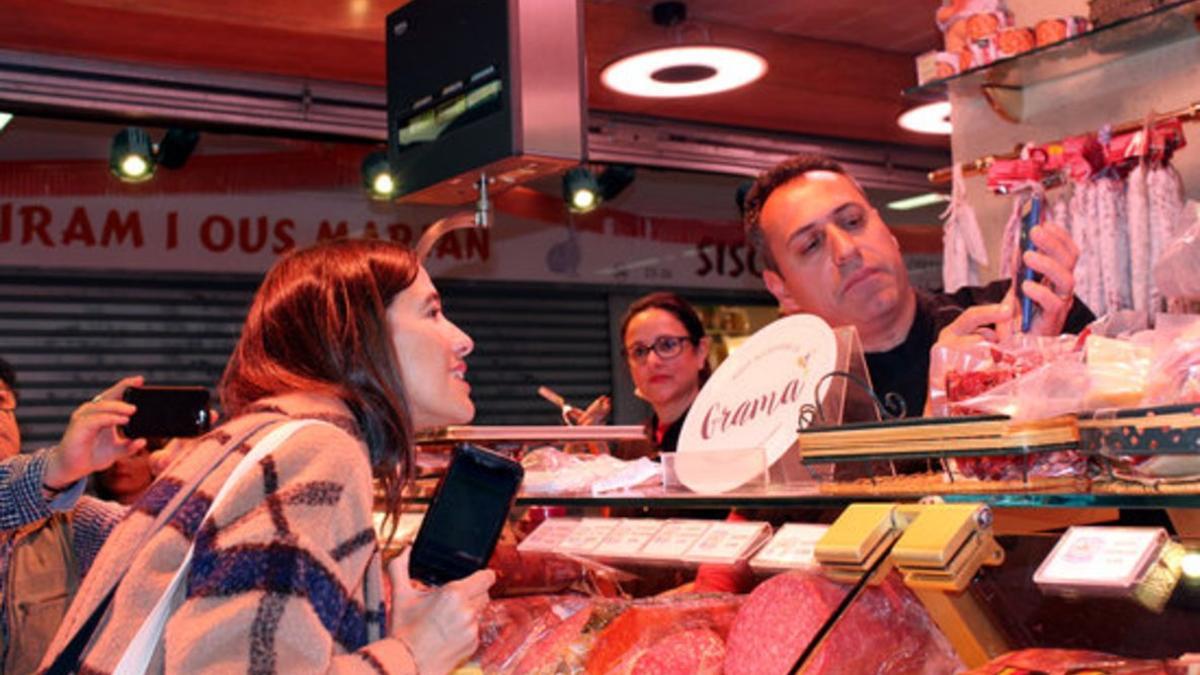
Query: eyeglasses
666 346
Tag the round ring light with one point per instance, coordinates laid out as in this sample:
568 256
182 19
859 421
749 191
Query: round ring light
677 72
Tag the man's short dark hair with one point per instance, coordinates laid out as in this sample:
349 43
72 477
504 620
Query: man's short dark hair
766 183
8 376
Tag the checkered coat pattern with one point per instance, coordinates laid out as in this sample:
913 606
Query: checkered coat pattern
286 574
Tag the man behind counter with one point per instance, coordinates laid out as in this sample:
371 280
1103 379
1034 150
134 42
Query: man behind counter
826 252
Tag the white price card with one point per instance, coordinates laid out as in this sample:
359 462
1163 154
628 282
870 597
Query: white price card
673 539
1101 557
791 547
627 539
727 542
588 535
548 535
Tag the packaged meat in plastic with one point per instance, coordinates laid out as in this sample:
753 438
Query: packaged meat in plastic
648 633
515 633
1177 270
532 572
1026 378
1175 374
886 631
961 375
1069 661
549 470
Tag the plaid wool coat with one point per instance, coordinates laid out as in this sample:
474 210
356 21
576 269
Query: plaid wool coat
286 574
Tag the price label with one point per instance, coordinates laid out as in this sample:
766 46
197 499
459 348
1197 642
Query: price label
1101 557
548 535
791 547
629 538
727 542
588 535
674 538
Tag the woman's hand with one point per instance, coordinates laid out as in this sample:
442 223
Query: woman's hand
439 625
91 442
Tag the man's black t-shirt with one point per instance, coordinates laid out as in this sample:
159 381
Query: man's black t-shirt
904 369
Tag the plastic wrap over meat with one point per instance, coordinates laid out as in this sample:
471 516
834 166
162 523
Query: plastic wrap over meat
515 634
663 631
528 573
1026 378
885 631
1071 661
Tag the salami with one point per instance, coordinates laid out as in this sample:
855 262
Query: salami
784 613
699 651
647 622
1114 243
1166 199
1138 209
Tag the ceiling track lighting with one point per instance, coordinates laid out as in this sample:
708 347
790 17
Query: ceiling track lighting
682 70
133 155
584 190
378 179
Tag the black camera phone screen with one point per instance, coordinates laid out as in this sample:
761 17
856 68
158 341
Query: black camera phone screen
460 529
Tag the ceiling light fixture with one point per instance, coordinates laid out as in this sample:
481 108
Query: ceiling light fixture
5 118
916 202
133 156
583 190
930 118
377 175
682 70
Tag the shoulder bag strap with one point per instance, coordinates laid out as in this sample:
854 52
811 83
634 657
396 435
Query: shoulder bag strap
68 659
141 648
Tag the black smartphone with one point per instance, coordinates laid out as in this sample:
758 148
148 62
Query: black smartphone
1031 217
167 412
465 517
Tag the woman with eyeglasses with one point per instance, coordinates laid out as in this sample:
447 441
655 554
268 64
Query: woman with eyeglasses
666 349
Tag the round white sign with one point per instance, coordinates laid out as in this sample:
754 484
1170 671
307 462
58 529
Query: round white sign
753 402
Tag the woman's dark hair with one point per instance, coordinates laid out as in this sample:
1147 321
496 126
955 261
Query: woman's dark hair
319 324
8 376
677 307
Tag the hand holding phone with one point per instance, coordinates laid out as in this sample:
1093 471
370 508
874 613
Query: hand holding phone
439 625
167 412
465 517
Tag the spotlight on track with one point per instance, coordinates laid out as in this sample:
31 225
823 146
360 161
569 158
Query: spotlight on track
584 190
133 155
377 177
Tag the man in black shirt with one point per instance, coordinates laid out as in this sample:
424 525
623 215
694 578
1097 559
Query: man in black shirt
826 252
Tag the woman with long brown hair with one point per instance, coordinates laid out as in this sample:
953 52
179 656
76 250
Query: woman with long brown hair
344 356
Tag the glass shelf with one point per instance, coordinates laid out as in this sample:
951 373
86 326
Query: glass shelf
1172 22
785 496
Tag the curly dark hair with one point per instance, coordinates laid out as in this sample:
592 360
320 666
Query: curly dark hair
766 183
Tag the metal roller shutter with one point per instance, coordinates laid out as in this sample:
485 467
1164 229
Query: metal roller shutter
70 335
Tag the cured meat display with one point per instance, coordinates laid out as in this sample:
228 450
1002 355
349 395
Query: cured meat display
1124 204
1068 661
886 630
682 633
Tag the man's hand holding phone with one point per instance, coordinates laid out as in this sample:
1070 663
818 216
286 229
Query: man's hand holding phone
91 442
439 624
